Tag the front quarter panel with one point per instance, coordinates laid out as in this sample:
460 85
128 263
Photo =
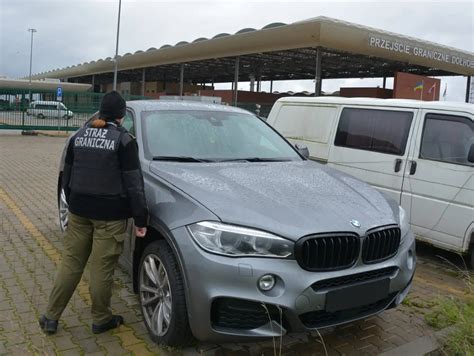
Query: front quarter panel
170 207
63 155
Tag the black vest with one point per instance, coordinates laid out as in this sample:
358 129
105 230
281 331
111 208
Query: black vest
96 168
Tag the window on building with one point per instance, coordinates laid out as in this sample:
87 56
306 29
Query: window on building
447 138
383 131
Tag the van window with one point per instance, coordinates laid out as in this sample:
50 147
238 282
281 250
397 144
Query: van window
128 122
46 107
447 138
310 123
381 131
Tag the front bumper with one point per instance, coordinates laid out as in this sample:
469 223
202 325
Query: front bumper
229 286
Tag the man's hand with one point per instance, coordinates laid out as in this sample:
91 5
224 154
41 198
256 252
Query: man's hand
140 231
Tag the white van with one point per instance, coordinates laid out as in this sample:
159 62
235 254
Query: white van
420 153
49 109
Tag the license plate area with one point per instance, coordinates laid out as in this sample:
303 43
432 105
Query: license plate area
357 295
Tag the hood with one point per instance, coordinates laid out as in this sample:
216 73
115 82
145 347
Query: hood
291 199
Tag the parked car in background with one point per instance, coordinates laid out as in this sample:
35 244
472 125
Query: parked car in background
247 238
419 153
49 109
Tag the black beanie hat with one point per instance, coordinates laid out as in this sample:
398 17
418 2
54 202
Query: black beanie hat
112 106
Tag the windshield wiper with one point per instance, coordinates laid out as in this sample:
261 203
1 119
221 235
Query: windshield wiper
255 159
180 159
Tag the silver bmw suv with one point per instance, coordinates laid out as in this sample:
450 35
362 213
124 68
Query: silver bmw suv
248 238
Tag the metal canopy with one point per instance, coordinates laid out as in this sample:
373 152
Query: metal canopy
281 52
281 65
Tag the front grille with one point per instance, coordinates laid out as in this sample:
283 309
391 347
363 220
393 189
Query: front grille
354 278
242 314
327 252
322 318
381 244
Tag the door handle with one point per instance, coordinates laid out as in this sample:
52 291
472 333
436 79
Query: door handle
398 165
412 168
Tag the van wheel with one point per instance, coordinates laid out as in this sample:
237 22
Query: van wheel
162 296
65 117
40 116
471 257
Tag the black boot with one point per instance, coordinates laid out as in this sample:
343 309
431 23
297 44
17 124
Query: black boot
113 323
49 326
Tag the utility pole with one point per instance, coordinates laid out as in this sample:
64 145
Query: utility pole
116 46
32 30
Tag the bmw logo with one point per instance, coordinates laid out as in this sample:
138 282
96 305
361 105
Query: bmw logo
355 223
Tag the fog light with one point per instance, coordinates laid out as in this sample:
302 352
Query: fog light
266 282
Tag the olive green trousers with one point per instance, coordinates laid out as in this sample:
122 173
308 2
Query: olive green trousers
100 242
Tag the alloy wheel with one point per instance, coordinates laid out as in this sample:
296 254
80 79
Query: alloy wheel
155 295
63 211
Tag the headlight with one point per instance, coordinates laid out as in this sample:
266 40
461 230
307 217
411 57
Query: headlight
404 223
238 241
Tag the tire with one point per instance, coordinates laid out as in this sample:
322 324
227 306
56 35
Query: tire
471 257
168 295
63 211
40 116
65 117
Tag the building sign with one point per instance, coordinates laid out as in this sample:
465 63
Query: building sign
419 51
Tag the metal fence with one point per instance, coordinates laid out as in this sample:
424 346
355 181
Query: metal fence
40 109
44 112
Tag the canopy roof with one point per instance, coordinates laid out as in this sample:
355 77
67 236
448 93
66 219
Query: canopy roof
282 51
42 85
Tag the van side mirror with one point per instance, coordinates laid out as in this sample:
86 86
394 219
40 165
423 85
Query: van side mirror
302 149
470 155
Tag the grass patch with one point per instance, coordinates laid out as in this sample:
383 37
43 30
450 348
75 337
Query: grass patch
459 314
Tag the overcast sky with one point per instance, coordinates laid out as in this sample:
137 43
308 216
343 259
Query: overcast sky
72 32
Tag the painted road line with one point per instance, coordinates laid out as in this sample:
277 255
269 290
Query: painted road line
127 337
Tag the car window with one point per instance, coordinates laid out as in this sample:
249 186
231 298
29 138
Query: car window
447 138
383 131
128 122
212 135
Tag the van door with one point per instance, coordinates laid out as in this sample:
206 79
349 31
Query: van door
371 144
438 192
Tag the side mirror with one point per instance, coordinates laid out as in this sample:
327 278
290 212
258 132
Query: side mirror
470 155
303 150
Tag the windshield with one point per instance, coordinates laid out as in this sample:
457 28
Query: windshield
212 136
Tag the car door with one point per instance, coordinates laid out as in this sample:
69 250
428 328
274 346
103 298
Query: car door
438 192
62 109
129 124
371 144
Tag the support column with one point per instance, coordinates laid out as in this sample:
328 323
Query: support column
181 80
317 73
143 81
468 88
384 82
93 83
271 86
259 81
236 81
252 82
